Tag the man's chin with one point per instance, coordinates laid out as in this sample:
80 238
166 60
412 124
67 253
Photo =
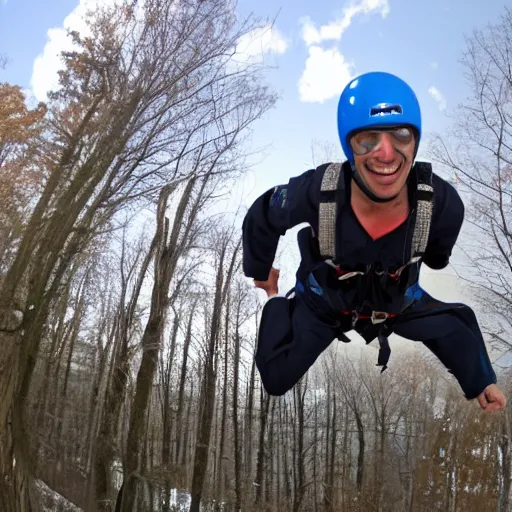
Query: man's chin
386 191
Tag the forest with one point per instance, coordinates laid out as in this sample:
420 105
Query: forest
128 329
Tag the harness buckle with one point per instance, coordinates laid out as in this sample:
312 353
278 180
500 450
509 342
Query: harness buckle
348 275
378 317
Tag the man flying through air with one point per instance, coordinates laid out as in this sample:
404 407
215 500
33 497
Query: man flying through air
373 221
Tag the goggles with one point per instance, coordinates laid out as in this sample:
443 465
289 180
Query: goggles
366 141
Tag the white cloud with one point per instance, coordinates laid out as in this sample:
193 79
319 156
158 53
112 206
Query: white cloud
334 29
251 48
30 99
438 96
255 44
328 71
48 63
44 72
434 65
326 74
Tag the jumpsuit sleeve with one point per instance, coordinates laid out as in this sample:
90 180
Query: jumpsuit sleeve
272 214
447 221
451 331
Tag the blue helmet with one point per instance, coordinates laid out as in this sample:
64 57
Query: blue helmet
376 100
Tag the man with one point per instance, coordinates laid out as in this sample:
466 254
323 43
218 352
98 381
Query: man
373 221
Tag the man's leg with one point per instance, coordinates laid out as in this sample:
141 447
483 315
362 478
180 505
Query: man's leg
452 333
290 340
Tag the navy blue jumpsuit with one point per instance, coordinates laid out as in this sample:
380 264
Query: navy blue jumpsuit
293 333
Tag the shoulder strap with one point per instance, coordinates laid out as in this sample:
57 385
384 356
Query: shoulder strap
424 208
332 182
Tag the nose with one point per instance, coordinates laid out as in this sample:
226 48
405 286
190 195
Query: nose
385 151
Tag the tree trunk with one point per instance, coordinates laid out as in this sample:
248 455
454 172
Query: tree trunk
207 398
332 451
248 427
258 480
77 319
505 446
180 444
284 428
315 455
271 479
186 435
299 392
165 264
360 457
346 459
237 452
166 412
223 416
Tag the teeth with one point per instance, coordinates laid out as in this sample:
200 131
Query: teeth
384 170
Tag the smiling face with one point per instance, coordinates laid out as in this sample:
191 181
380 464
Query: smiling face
383 159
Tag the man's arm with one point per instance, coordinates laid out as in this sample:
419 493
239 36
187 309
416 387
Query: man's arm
447 220
272 214
475 374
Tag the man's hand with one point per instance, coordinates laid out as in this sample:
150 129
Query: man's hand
492 399
270 285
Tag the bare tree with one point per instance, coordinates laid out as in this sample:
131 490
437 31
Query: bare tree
180 445
479 160
166 258
226 259
354 395
150 108
104 449
144 98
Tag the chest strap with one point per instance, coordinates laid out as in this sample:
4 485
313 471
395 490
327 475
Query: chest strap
333 197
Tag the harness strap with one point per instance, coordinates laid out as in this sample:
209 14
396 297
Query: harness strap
424 209
331 201
328 208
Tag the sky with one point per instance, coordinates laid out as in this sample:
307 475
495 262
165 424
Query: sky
314 48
